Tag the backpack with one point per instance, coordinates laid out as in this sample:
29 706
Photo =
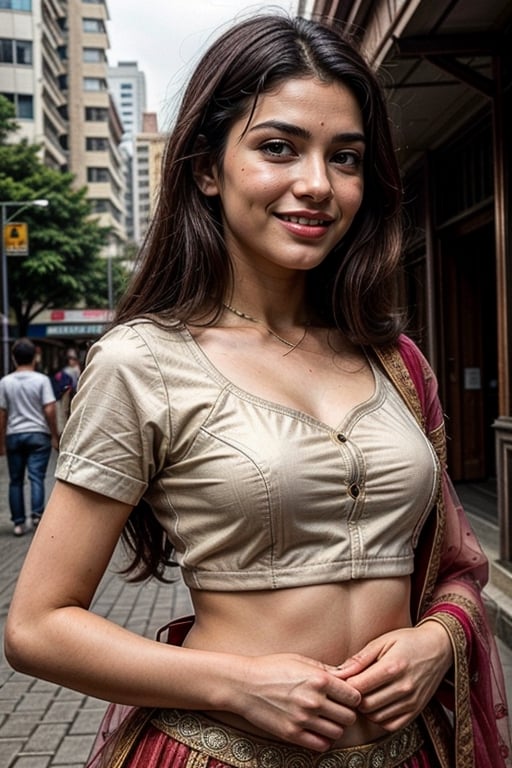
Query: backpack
61 383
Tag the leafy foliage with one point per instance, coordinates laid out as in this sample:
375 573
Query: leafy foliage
64 268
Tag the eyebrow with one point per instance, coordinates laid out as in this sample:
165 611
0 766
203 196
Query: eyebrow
303 133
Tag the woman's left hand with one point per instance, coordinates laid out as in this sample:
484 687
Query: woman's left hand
398 673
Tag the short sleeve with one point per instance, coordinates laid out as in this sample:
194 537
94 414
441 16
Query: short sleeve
117 437
47 394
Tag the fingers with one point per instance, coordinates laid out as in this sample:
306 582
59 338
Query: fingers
299 700
317 721
360 661
383 672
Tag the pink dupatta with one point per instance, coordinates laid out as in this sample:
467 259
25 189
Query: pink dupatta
450 572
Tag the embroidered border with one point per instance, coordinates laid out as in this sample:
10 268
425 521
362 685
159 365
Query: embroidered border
463 724
245 750
396 369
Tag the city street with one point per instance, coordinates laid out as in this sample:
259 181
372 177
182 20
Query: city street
43 725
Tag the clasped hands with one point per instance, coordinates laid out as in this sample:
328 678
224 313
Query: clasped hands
398 673
389 682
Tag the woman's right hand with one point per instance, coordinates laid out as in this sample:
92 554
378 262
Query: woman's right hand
296 699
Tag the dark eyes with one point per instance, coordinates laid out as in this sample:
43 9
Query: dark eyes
278 148
350 158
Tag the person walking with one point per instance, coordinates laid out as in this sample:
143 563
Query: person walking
28 430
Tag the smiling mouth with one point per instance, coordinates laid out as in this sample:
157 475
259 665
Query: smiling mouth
305 221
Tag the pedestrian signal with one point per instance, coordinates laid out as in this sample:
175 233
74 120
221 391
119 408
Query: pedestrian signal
16 239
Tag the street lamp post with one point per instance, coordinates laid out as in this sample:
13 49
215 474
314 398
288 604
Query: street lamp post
20 205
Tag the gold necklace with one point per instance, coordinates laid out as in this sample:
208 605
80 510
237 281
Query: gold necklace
292 345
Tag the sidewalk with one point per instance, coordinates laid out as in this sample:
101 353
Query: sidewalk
46 726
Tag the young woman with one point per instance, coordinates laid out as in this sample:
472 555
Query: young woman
256 408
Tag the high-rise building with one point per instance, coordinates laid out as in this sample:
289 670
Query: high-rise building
128 87
147 167
54 69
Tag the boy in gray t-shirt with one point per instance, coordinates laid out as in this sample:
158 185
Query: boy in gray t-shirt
28 430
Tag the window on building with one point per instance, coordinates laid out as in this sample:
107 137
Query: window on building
98 175
16 5
15 51
93 25
126 86
94 84
23 50
99 206
94 55
96 144
23 104
6 51
96 114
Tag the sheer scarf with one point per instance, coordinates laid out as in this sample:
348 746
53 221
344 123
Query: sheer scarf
450 573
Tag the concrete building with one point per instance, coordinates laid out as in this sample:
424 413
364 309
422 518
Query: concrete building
149 148
32 73
446 67
128 87
53 67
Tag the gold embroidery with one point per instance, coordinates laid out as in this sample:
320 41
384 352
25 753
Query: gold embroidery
463 724
197 760
116 753
465 603
440 733
435 556
396 369
401 378
438 439
245 750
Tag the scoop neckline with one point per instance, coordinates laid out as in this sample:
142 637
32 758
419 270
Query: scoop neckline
349 417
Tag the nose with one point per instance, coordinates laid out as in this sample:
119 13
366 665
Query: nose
313 180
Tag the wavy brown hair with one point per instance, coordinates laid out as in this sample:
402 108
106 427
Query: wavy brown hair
184 270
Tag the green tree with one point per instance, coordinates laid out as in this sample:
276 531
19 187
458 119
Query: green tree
64 268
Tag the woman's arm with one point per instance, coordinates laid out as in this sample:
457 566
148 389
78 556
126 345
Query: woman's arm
51 634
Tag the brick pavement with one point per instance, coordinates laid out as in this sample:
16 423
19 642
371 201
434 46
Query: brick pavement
43 725
47 726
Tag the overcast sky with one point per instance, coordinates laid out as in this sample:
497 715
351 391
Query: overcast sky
166 37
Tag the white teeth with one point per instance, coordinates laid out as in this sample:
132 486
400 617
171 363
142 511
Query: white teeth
304 220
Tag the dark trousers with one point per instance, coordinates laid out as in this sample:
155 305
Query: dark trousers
27 451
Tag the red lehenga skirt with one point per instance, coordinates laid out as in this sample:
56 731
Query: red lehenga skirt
171 738
179 739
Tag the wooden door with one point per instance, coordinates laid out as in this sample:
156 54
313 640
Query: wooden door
469 364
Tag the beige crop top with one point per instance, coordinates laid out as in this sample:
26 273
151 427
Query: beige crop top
252 494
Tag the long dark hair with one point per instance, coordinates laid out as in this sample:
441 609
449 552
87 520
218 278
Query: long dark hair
184 270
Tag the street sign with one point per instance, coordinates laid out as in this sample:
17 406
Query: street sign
16 239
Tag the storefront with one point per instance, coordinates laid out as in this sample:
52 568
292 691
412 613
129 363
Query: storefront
57 330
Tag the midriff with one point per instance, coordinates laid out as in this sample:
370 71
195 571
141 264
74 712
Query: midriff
328 622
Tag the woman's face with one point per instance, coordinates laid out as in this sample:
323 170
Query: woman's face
291 180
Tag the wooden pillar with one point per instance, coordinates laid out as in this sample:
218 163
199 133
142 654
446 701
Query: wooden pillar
502 126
